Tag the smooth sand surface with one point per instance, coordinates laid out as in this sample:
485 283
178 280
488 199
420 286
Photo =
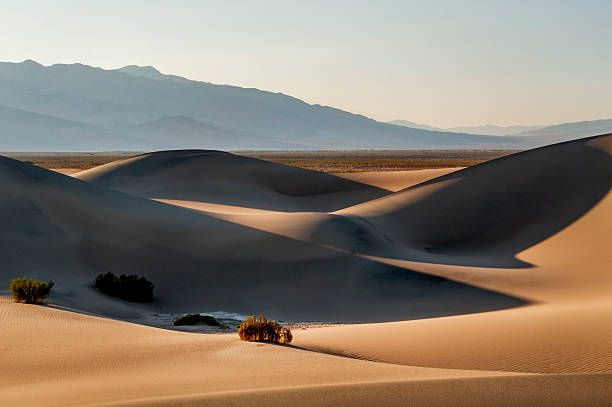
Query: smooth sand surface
495 282
396 180
66 171
85 360
81 359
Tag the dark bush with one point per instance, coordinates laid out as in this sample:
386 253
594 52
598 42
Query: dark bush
259 329
286 336
192 319
30 291
127 287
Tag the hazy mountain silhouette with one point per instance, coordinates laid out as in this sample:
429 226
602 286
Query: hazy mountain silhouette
485 129
150 72
139 108
414 125
179 132
21 130
569 131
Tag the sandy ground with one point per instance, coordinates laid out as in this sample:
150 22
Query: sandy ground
85 360
495 282
66 171
396 180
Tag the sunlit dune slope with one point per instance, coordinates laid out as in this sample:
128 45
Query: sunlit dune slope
565 272
89 361
396 180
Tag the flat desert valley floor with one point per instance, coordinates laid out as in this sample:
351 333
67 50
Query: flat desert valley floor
489 285
325 161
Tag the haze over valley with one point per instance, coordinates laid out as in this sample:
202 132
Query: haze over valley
81 108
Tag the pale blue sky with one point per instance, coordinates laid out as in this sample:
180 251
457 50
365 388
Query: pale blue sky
443 63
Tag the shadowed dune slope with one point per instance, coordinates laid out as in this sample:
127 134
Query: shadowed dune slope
502 206
224 178
68 230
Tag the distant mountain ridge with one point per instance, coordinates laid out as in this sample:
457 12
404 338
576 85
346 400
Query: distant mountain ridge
485 129
576 129
150 72
69 107
413 125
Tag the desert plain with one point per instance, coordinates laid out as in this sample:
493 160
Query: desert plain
482 286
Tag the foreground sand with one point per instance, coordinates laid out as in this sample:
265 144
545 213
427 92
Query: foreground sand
497 280
83 360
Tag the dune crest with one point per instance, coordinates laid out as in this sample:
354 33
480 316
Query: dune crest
223 178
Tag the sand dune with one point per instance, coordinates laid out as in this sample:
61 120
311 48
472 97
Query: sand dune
479 216
396 180
503 206
565 338
228 179
69 231
495 279
80 364
568 278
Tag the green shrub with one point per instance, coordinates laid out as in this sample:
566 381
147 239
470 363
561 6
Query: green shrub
127 287
259 329
192 319
30 291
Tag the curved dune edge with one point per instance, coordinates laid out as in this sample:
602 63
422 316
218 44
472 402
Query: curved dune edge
59 358
550 390
227 179
567 338
77 364
68 230
561 333
396 180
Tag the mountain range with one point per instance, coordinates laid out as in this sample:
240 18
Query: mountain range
485 129
75 107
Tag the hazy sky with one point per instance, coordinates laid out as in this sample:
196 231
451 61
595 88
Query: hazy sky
443 63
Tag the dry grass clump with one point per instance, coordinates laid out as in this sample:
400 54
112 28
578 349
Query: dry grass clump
192 319
259 329
127 287
30 291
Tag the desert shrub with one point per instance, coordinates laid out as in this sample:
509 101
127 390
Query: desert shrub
192 319
259 329
127 287
286 336
30 291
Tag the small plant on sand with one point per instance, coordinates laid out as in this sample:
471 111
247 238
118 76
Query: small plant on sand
286 336
30 291
127 287
192 319
259 329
